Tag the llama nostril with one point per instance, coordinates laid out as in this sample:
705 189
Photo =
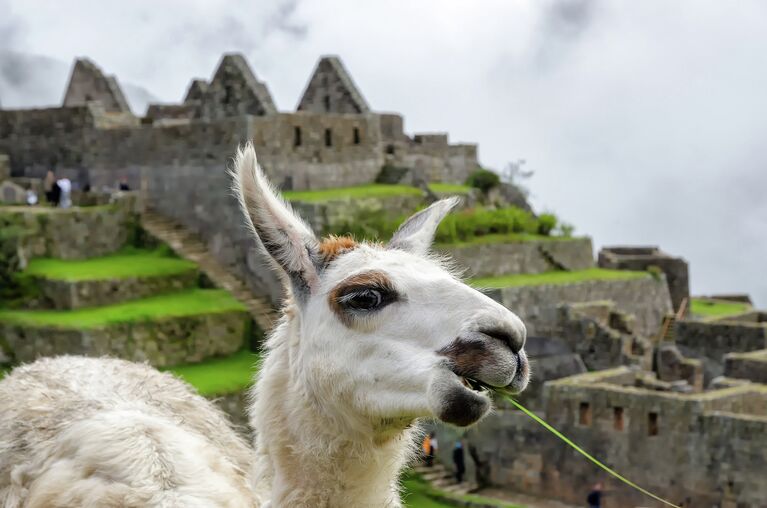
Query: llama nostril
512 338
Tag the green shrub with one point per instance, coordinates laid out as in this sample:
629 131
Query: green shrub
483 180
546 223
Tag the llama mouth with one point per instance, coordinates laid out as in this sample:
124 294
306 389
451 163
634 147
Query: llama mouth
475 385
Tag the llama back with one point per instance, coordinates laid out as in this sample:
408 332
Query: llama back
78 431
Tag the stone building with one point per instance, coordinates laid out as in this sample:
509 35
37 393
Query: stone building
334 139
642 258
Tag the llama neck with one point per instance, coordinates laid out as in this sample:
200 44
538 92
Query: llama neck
310 457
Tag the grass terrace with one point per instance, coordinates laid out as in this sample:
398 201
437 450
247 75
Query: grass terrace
138 263
220 376
710 307
449 188
181 304
556 278
505 238
417 493
375 190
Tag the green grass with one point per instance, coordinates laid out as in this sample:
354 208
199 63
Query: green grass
554 278
363 191
117 266
220 376
505 238
180 304
717 308
449 188
417 492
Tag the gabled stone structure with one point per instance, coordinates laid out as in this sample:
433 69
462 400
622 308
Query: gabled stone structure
233 91
332 90
88 83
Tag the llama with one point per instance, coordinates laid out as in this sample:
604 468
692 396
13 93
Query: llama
372 338
102 432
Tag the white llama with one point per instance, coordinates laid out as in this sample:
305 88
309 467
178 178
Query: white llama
372 338
107 433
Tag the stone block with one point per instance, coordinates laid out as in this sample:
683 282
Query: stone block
12 193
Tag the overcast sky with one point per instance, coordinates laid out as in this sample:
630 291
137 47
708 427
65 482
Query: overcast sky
645 122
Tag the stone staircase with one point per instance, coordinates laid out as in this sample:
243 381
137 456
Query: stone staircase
442 478
189 246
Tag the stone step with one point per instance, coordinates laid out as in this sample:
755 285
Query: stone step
189 246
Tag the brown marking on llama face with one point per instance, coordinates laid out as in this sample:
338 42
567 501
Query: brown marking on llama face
343 297
333 246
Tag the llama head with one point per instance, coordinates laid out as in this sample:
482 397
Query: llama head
383 334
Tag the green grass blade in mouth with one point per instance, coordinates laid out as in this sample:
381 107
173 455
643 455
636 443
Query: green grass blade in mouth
582 451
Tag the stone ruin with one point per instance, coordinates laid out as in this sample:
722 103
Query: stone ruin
333 139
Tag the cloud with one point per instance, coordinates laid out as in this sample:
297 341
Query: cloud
643 121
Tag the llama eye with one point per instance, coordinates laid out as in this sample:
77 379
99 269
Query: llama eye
365 300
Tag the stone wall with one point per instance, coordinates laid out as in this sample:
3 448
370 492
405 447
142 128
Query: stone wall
533 256
64 294
751 366
216 218
679 446
332 90
646 298
87 83
642 258
163 343
711 341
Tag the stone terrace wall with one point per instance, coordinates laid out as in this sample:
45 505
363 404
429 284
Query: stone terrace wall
647 299
71 233
325 215
492 259
163 343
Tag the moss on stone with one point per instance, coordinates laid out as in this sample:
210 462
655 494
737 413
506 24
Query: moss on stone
129 264
220 376
556 278
185 303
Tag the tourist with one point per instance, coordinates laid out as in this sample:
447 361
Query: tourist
429 448
124 184
31 197
594 498
426 448
65 186
460 466
51 188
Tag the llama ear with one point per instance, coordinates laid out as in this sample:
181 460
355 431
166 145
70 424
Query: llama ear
416 234
287 239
